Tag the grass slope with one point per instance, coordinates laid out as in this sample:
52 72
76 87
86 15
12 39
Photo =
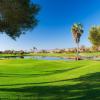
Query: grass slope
49 80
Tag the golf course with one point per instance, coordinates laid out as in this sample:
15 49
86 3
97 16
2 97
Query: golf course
49 49
28 79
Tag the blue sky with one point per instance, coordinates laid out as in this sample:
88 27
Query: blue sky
54 28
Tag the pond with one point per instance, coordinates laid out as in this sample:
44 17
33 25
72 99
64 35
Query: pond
35 57
47 58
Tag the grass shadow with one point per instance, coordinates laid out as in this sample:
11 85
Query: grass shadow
87 89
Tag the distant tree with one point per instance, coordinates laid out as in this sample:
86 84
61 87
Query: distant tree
62 51
34 49
82 48
77 31
17 16
94 48
94 36
43 51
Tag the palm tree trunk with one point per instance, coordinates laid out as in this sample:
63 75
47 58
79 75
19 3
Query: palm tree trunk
77 54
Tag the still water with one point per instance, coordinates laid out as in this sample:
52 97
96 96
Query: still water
35 57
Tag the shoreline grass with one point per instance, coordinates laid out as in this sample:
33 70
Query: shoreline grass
64 55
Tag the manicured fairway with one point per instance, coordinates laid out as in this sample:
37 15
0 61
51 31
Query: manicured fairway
49 80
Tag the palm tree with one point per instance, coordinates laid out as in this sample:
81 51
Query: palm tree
77 31
34 49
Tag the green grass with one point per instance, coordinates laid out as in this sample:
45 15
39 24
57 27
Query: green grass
54 54
1 55
49 80
90 54
11 55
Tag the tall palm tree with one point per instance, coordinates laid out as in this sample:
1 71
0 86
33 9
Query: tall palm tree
77 31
